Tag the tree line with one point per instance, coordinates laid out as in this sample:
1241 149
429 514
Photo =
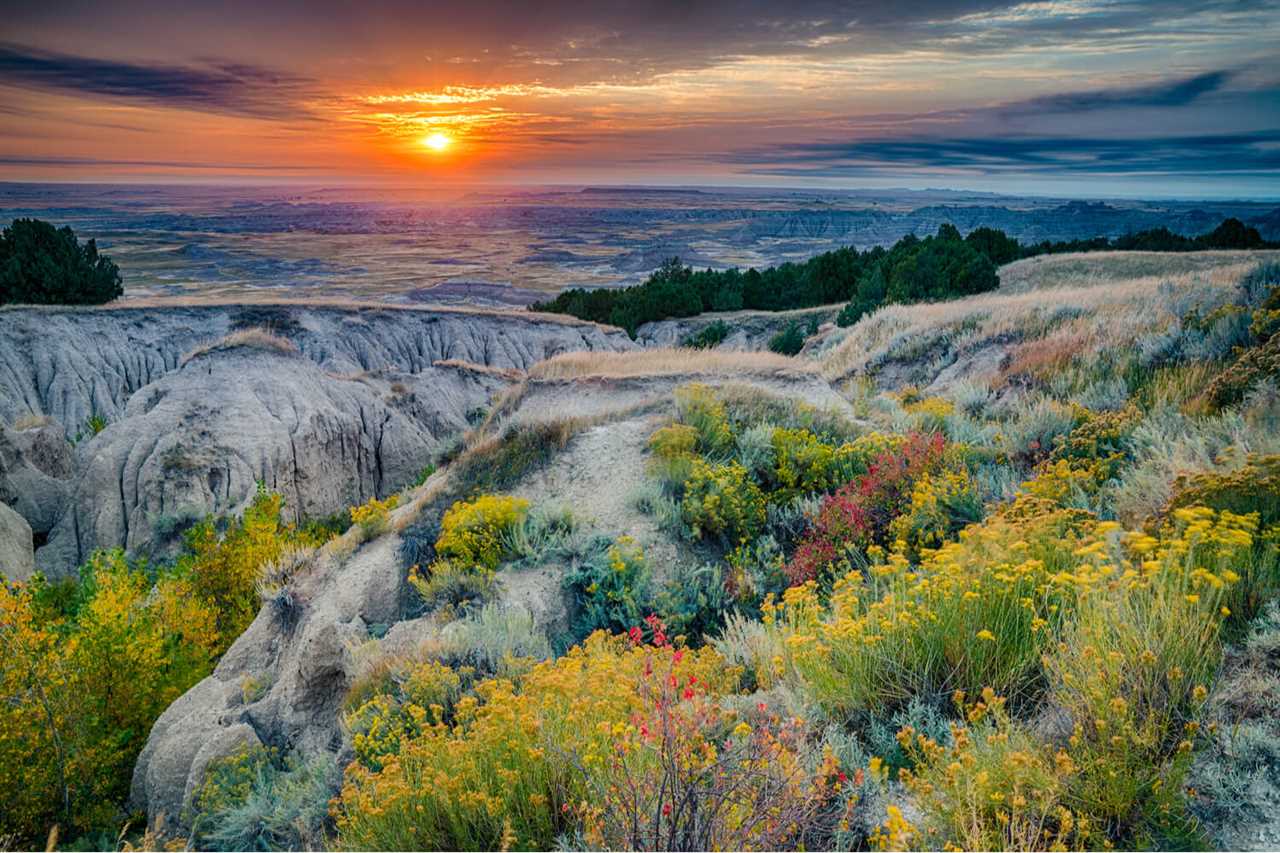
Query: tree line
945 265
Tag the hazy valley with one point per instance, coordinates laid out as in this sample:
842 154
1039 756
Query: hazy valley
511 247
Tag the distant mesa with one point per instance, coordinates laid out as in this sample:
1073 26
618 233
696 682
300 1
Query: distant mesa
649 258
554 256
640 191
484 293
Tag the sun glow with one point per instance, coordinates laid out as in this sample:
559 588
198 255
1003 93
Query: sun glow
436 141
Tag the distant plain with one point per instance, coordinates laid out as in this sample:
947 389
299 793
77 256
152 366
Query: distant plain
511 246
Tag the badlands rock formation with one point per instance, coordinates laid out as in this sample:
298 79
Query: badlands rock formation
748 330
71 364
36 466
356 412
17 559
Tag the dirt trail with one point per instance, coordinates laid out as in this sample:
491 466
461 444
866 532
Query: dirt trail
597 477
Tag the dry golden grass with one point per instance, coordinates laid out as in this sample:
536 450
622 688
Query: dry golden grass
1091 269
509 373
1054 352
667 362
1123 310
255 337
31 422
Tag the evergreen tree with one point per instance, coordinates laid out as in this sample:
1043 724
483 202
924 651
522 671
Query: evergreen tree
44 265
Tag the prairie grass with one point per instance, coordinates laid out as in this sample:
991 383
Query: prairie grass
1050 323
1093 269
255 337
667 362
509 373
32 421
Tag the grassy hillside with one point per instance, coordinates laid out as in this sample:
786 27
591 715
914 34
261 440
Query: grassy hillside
994 573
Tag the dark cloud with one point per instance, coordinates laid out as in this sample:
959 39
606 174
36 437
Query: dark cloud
167 164
1224 154
1166 93
221 87
573 40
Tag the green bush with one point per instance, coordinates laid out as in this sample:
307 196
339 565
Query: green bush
500 463
44 265
711 335
695 602
610 590
250 802
789 341
447 585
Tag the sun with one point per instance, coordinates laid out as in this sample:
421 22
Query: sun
436 141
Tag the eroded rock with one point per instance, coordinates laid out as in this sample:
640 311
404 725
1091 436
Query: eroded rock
197 442
17 560
36 466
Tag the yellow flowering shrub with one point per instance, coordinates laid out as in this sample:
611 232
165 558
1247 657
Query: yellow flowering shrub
942 503
805 464
228 780
1084 460
674 450
1131 671
611 591
472 532
993 787
425 693
802 463
930 412
698 406
79 690
1128 668
722 501
1253 487
372 516
1068 482
225 566
673 441
1098 436
979 611
514 764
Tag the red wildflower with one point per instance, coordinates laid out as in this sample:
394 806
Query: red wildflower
858 513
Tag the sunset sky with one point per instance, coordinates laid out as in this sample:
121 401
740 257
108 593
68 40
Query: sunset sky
1077 97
